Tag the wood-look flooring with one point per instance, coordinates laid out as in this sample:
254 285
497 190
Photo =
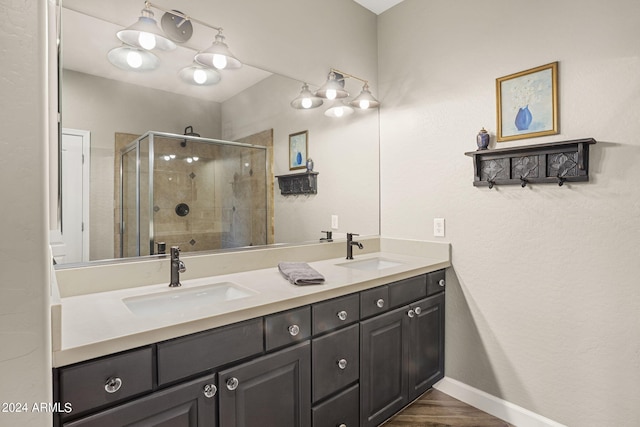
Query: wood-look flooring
437 409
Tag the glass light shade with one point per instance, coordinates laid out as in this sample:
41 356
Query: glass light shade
306 99
146 34
130 58
199 75
365 100
218 55
333 88
338 109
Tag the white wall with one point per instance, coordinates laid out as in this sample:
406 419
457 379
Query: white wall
25 352
542 303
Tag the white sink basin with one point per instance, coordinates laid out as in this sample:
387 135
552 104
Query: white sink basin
185 299
371 264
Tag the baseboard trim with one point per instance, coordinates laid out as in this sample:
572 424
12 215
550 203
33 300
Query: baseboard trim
495 406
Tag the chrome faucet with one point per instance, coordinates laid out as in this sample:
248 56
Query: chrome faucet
351 243
177 267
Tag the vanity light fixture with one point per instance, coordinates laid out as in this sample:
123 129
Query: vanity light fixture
197 74
218 54
306 99
131 58
146 33
333 87
338 109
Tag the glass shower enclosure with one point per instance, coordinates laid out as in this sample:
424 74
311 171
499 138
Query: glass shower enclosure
192 192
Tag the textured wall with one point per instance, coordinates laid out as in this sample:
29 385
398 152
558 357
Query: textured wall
542 303
25 350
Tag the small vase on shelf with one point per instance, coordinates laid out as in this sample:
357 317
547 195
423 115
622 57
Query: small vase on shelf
482 139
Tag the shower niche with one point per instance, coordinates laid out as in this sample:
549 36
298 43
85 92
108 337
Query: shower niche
197 193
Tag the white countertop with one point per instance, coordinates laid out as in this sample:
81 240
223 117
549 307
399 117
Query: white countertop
98 324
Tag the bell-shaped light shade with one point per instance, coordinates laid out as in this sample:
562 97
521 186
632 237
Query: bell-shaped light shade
146 34
199 75
365 100
306 99
338 109
333 88
218 55
130 58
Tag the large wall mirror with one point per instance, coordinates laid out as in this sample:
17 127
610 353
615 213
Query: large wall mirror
104 108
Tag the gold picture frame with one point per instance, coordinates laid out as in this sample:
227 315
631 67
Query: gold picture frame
527 103
298 150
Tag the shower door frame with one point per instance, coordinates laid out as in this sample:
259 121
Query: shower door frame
135 144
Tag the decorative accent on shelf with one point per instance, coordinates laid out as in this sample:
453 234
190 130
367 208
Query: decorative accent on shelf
482 139
298 183
555 162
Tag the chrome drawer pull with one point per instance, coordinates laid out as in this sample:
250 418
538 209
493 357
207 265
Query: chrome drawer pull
232 383
418 310
210 390
342 363
411 313
294 330
342 315
380 303
113 384
441 282
342 425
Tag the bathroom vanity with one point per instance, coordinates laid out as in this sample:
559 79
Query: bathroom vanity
352 352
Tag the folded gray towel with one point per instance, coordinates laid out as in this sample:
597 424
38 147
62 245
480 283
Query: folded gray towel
300 273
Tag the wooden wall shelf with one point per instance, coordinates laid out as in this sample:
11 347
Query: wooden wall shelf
555 162
298 183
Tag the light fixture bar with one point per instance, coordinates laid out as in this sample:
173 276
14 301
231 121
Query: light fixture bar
182 15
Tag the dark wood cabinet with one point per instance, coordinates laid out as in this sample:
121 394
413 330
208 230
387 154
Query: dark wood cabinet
353 360
272 390
402 355
186 405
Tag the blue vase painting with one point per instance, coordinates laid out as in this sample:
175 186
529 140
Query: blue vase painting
523 118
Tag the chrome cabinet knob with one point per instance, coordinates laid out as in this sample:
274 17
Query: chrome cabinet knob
411 313
342 425
232 383
380 303
441 282
342 315
417 310
113 384
342 363
210 390
294 330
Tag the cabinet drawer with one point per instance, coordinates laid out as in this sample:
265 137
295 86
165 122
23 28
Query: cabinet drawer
374 301
288 327
407 290
332 314
182 357
105 381
435 282
342 409
186 404
336 361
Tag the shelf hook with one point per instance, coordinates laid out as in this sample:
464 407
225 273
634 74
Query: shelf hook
491 183
561 180
523 181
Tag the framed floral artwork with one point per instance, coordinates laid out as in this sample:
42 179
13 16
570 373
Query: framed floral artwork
527 103
298 150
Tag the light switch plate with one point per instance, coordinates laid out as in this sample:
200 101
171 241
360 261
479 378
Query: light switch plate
334 222
438 227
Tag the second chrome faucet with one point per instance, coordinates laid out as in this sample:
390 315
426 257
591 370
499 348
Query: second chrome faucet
351 243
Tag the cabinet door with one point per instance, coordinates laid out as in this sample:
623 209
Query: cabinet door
384 358
272 390
426 351
186 405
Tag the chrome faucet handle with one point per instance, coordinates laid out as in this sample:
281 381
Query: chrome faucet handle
181 267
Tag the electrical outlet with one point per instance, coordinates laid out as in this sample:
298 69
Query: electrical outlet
334 222
438 227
